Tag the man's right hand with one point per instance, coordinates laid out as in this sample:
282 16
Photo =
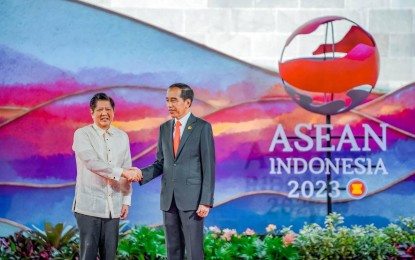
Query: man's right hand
132 174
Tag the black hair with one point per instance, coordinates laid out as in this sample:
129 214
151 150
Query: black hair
186 91
100 96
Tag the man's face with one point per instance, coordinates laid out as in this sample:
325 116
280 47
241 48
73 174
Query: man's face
178 107
103 114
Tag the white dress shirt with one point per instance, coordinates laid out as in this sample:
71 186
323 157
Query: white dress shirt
183 122
100 158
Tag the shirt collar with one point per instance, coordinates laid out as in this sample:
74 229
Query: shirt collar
101 131
184 119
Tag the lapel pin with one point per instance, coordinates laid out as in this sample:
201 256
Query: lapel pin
189 127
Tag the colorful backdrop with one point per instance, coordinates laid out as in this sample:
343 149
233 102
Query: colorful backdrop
54 55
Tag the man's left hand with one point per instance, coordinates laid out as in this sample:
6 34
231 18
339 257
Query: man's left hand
203 211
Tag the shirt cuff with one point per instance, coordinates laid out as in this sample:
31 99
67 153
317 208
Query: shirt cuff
126 200
116 173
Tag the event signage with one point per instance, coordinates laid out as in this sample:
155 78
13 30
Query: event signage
321 166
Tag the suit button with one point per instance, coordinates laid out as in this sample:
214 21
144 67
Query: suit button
174 164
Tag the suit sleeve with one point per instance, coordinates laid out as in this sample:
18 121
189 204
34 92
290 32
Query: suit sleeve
207 151
154 170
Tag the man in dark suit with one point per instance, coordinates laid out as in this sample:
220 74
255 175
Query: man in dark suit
186 159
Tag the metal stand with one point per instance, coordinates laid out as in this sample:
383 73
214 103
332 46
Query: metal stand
328 176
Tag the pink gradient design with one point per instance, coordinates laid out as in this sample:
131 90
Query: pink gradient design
246 128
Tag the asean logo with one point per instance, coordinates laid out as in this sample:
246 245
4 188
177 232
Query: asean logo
356 188
336 69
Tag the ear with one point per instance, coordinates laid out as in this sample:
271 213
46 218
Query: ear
188 103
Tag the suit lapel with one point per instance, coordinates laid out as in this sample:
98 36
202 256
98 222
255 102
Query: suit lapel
186 133
170 129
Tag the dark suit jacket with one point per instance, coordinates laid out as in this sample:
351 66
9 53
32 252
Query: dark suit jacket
191 175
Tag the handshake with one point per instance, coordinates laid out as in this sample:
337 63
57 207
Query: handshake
132 174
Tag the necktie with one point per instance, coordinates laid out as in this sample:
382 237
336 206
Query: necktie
176 139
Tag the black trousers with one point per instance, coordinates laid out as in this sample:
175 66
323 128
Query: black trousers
184 232
97 235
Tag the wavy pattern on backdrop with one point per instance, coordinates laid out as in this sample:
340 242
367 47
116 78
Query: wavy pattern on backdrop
51 64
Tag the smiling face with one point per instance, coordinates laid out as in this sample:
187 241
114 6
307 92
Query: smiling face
178 107
103 114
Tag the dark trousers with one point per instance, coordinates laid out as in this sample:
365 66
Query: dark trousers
97 235
184 230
